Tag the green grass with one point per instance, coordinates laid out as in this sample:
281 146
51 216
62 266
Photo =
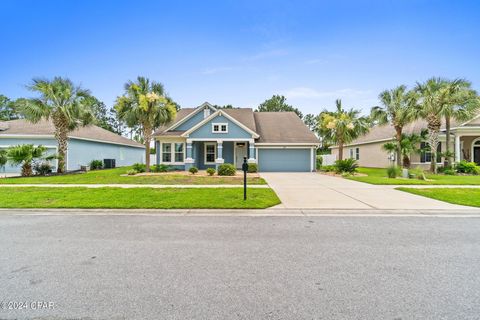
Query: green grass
461 196
114 176
136 198
379 176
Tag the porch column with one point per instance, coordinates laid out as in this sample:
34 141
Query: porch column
457 148
157 152
252 156
189 161
219 159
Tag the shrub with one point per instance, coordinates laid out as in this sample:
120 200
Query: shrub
132 172
393 172
466 167
226 169
193 170
160 168
139 167
96 164
346 165
319 162
449 172
42 168
252 168
211 171
328 168
417 173
477 170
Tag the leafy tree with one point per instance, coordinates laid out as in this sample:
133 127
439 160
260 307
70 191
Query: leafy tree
227 106
25 155
104 117
461 104
277 103
397 109
311 121
7 109
341 126
68 106
145 106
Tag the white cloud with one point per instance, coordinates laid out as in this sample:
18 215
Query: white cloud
310 93
216 70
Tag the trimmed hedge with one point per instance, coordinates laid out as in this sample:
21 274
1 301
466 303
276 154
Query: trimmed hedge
226 169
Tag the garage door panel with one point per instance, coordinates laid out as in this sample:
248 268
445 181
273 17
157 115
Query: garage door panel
284 160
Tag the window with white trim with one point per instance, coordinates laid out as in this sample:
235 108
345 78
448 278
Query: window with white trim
357 153
173 152
179 152
210 152
220 127
166 152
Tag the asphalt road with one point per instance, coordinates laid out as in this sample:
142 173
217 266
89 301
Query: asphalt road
193 267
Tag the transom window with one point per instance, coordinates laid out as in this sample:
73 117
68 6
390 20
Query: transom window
210 152
173 152
220 127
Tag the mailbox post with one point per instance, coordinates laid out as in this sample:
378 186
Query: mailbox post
245 169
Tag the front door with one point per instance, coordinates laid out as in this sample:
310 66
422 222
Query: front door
476 155
240 152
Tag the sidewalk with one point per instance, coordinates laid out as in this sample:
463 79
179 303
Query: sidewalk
159 186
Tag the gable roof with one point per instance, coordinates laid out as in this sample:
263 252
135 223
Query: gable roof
283 127
22 127
222 112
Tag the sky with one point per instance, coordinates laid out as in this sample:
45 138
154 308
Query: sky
241 52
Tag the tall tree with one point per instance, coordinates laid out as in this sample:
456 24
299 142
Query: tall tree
104 117
277 103
342 126
397 109
311 121
7 109
67 105
461 103
145 106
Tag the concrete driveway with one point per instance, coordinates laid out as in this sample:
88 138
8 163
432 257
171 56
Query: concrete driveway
317 191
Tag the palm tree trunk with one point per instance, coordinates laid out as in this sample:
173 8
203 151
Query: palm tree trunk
398 137
433 125
147 134
340 150
61 134
448 159
27 169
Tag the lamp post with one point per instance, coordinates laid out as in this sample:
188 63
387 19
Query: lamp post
245 169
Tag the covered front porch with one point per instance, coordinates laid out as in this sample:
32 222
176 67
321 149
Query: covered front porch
467 147
209 153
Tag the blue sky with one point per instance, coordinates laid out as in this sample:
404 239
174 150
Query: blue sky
241 52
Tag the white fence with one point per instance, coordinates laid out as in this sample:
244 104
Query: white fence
328 159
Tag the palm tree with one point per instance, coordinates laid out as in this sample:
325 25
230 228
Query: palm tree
145 105
68 106
342 126
461 103
431 107
24 155
397 110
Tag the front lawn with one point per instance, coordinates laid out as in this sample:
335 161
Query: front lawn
461 196
136 198
114 176
379 176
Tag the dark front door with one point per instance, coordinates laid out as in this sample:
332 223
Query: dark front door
476 155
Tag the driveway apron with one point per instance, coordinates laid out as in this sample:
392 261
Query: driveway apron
317 191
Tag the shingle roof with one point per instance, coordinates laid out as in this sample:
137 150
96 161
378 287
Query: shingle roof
273 127
24 127
282 127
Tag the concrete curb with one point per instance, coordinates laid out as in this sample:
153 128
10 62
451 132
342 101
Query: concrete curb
474 213
159 186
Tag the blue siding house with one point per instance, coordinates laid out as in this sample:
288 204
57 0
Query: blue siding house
207 137
84 144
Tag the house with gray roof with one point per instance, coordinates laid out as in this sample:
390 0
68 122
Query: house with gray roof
206 137
367 149
84 144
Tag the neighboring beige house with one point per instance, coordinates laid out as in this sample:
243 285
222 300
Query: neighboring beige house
368 151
